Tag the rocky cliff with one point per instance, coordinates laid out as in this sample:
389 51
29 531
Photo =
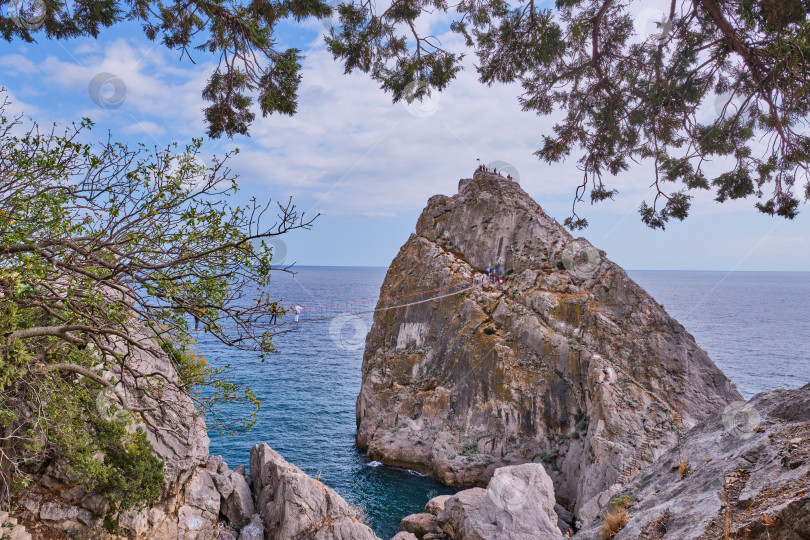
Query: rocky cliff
570 363
741 474
178 437
202 498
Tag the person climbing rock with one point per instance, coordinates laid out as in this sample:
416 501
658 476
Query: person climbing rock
297 311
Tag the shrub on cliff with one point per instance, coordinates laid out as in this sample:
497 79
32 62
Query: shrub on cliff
616 516
106 252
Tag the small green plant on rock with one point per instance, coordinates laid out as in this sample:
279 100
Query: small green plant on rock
468 449
489 330
624 501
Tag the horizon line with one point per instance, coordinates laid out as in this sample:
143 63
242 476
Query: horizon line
625 269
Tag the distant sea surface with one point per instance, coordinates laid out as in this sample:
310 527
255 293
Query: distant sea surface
754 325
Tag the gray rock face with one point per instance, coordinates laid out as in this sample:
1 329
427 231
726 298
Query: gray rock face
253 531
183 443
518 504
202 493
179 439
67 518
459 509
436 504
295 506
750 465
577 368
238 506
420 524
565 519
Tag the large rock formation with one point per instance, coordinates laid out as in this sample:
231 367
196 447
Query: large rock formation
570 363
179 439
748 470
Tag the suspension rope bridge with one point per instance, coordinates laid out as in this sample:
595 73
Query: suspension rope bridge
453 290
389 298
445 291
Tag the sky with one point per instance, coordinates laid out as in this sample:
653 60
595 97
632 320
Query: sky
369 166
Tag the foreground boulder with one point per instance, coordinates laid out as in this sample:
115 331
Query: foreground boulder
570 364
518 504
295 506
421 524
749 467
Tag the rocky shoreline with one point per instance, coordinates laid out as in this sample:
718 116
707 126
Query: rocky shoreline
751 469
567 397
747 475
277 500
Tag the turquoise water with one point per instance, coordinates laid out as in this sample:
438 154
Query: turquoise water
308 393
753 325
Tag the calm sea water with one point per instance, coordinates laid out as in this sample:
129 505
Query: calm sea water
753 325
308 391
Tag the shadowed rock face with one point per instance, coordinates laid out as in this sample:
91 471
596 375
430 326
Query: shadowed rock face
576 367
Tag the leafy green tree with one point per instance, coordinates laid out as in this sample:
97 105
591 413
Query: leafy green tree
106 253
625 98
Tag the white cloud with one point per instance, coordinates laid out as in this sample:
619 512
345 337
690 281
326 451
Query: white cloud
147 128
156 88
350 152
17 64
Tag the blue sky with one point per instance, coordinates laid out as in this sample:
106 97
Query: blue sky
368 165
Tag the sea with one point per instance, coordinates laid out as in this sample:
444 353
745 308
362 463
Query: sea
754 325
